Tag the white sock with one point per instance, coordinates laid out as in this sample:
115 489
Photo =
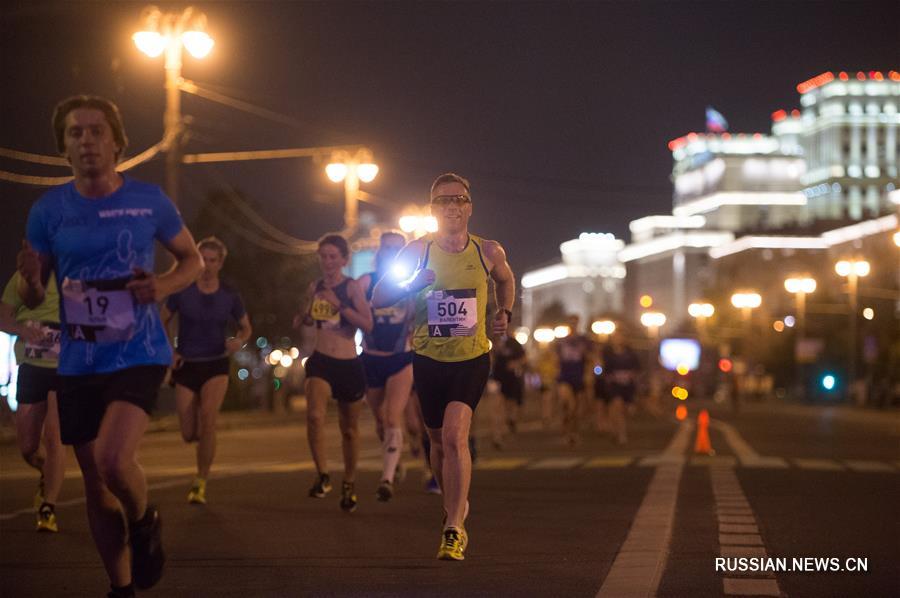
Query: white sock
392 447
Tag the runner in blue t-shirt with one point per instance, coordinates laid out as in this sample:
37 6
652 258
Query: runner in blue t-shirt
388 361
98 234
201 364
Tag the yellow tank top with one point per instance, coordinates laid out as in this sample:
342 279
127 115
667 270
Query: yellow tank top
451 313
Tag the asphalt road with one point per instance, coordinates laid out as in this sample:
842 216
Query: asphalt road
649 518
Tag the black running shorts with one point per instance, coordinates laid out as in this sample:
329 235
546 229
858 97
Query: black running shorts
83 399
194 374
381 367
441 382
346 377
34 383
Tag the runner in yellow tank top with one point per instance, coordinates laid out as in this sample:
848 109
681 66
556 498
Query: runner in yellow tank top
451 361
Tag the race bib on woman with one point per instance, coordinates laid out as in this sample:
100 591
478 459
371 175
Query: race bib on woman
452 312
47 346
98 311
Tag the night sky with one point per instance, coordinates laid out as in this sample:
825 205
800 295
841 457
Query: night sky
559 113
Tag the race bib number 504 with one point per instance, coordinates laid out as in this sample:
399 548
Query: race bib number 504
452 312
98 311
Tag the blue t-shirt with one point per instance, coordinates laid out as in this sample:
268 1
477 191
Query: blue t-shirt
93 245
203 318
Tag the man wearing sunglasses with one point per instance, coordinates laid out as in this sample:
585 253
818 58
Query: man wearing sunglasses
450 339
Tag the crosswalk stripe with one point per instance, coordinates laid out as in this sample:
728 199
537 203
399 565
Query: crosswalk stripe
556 463
765 463
750 587
736 519
738 551
740 539
738 528
868 466
713 460
818 464
494 464
609 462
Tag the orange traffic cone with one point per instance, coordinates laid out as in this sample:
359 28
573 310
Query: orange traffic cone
702 446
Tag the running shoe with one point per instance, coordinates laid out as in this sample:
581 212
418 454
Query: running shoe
452 547
431 486
197 494
385 491
348 497
321 487
46 519
147 557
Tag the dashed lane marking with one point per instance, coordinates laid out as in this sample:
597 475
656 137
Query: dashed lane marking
609 462
490 464
868 466
738 528
556 463
818 464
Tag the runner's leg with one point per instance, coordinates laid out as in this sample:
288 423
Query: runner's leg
397 396
105 518
187 405
348 417
29 420
116 445
55 454
212 394
456 472
317 393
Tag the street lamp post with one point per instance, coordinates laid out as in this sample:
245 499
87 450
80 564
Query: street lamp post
171 33
800 287
351 170
852 270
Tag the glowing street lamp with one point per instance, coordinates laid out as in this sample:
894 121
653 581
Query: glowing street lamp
603 327
414 223
544 335
169 33
800 287
653 320
351 170
852 270
701 312
746 302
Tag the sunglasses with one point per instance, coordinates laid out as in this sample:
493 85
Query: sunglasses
446 200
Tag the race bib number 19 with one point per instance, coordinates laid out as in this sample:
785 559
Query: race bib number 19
452 312
98 311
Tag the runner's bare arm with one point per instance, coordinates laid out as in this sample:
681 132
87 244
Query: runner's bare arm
504 285
241 335
389 290
358 312
149 288
34 269
9 325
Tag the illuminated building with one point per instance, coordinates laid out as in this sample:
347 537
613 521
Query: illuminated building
588 281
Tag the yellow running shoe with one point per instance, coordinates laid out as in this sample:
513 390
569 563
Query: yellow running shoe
197 495
453 545
46 519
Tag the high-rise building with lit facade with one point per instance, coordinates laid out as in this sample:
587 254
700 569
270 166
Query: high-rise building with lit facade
832 163
849 132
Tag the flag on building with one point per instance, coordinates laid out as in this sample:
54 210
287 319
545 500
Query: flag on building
715 122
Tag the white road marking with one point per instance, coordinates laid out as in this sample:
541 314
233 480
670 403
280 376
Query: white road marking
818 464
556 463
641 561
868 466
740 540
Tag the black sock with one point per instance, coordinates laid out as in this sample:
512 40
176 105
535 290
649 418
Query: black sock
122 591
47 505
